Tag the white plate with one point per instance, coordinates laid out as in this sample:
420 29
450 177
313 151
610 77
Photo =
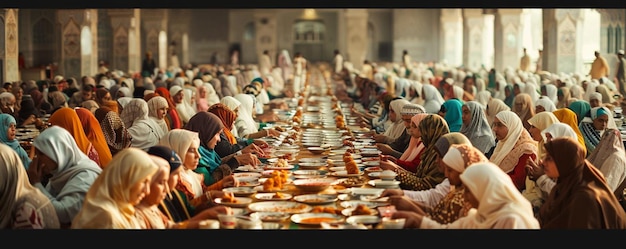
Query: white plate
290 207
248 168
240 191
384 183
288 167
270 216
308 172
261 190
314 184
373 169
353 204
342 168
374 174
247 174
340 157
272 196
343 173
305 219
371 163
312 160
364 219
315 165
315 199
366 191
348 211
241 202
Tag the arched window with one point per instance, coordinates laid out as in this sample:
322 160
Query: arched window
609 39
43 42
618 38
306 31
249 32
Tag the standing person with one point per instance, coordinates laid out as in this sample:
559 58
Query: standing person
599 67
539 66
337 62
284 62
620 77
148 65
265 63
300 66
524 64
406 60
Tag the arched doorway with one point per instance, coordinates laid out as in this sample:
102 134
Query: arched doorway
309 38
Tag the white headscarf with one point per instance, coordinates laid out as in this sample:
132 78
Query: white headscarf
432 99
559 130
211 95
551 92
546 103
154 104
483 97
144 130
591 88
497 196
506 145
107 204
531 89
396 128
244 122
179 140
184 112
59 145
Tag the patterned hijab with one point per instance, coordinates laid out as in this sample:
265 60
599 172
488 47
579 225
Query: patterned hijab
228 119
432 128
115 133
478 130
107 204
94 133
16 189
579 180
145 131
516 143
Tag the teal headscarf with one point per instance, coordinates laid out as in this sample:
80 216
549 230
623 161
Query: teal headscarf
5 122
581 108
453 115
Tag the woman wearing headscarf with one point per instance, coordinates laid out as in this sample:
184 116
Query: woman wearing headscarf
427 176
90 105
483 98
7 136
57 154
579 184
172 118
494 107
245 124
581 108
157 111
564 96
550 90
451 112
103 94
284 62
113 129
22 205
144 130
524 108
476 127
94 133
515 146
123 92
531 89
411 157
539 123
509 96
211 164
495 203
232 104
595 100
544 104
190 98
217 86
109 204
178 98
594 126
432 99
396 128
228 143
201 102
191 185
67 118
607 95
609 157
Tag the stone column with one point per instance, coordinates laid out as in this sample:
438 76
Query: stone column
154 22
612 20
473 29
356 38
451 49
508 38
266 33
126 39
79 42
562 40
9 55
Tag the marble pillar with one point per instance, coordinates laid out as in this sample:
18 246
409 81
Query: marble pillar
79 42
612 21
126 39
266 33
154 24
508 38
563 36
473 43
356 36
9 56
451 37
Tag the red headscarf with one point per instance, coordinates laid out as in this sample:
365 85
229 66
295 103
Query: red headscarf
174 121
228 118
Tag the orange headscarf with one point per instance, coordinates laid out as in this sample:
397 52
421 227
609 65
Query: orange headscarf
94 133
568 117
112 104
68 119
228 118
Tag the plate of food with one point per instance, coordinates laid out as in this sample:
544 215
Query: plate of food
344 173
364 219
248 168
280 164
240 191
380 183
247 174
355 203
351 182
309 174
373 169
313 184
315 219
277 196
313 160
315 199
374 163
270 216
313 165
360 209
290 207
232 201
335 169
